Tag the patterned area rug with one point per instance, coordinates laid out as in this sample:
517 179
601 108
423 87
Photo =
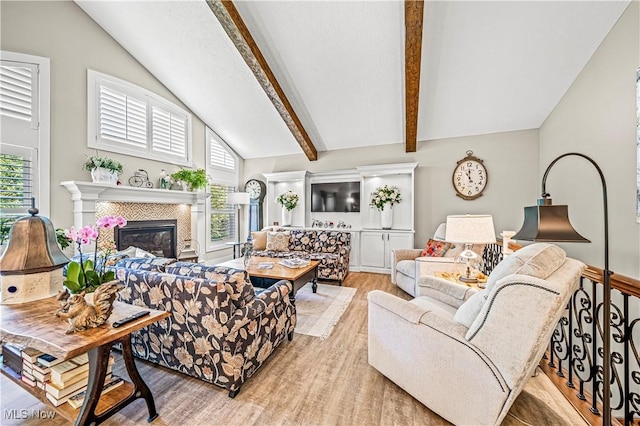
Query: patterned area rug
318 313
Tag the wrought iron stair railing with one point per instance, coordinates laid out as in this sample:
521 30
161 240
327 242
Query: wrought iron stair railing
574 357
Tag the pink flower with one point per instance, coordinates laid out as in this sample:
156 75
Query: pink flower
71 233
121 221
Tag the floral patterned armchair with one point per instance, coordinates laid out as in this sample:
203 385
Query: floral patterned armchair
220 329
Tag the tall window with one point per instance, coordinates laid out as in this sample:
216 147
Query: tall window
24 140
222 166
129 119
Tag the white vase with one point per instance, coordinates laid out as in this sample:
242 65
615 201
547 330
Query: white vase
102 175
286 217
386 217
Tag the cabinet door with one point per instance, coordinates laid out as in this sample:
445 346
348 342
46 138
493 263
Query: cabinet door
397 241
372 249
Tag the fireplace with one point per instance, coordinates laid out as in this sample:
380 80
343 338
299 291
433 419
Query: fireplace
159 237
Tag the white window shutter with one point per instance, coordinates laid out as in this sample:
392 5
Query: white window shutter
18 83
220 157
122 118
169 132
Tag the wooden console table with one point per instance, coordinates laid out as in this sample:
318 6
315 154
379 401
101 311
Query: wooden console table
33 324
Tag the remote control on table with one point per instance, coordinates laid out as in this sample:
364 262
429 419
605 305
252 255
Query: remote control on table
130 318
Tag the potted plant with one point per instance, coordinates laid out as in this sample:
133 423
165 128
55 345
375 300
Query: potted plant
103 169
195 179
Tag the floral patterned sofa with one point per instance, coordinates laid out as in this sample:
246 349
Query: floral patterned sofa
220 330
331 248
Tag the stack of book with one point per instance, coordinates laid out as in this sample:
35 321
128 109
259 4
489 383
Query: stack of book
29 357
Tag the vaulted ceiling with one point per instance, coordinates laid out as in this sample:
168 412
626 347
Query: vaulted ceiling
484 67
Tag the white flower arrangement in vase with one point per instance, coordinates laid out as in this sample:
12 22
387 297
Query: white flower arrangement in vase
288 200
385 195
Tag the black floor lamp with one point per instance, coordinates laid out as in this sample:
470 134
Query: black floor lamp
546 222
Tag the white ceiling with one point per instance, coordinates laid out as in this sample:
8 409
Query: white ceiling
486 66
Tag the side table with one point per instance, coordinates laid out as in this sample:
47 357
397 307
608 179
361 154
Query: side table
33 324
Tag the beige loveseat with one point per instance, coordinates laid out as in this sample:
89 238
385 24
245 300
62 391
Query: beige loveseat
469 360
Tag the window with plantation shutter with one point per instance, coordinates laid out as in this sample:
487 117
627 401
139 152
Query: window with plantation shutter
220 157
18 92
223 216
128 119
24 137
223 168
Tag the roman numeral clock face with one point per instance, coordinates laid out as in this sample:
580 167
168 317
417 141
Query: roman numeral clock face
469 177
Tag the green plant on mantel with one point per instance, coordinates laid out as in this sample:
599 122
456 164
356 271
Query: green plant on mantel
95 161
195 179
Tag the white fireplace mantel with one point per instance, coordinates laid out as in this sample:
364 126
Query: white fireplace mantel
85 195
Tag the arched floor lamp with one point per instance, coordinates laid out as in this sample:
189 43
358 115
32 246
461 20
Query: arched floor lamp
546 222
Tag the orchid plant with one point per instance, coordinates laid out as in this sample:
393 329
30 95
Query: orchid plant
82 276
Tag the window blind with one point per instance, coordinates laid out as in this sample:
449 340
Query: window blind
223 215
16 192
219 156
122 118
169 132
17 86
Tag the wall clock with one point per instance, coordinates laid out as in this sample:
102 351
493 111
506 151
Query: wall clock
257 191
469 177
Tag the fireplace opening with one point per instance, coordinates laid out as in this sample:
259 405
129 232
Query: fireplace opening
159 237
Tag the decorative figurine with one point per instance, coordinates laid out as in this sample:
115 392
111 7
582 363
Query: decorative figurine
82 315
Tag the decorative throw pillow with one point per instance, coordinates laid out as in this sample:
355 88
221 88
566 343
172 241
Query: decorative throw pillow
537 260
470 309
259 240
435 248
278 241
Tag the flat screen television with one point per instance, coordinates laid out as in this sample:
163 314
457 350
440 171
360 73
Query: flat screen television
342 197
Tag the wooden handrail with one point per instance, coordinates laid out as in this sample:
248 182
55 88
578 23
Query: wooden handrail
622 283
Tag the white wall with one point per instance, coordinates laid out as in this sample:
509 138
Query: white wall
597 117
61 31
511 160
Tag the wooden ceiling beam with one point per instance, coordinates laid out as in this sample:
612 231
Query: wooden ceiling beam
413 18
239 34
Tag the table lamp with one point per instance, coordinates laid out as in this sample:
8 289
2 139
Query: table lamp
469 230
238 199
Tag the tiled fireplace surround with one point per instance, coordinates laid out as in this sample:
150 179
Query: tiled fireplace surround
94 200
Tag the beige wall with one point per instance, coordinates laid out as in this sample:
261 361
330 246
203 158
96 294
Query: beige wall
62 32
597 117
512 167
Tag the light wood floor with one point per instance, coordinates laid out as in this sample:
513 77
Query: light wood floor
307 381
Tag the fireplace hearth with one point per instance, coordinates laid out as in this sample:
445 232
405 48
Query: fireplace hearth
159 237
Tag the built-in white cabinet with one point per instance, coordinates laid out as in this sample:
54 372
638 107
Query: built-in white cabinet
370 244
279 183
376 246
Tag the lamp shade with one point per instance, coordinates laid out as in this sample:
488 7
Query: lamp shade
470 229
238 198
548 223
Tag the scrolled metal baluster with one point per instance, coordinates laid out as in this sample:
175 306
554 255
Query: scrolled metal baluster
582 360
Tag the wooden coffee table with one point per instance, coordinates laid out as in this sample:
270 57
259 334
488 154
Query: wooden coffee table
265 277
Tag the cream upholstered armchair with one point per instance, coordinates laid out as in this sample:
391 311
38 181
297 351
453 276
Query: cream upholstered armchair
469 360
406 264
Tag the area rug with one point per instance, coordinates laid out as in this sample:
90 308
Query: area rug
318 313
